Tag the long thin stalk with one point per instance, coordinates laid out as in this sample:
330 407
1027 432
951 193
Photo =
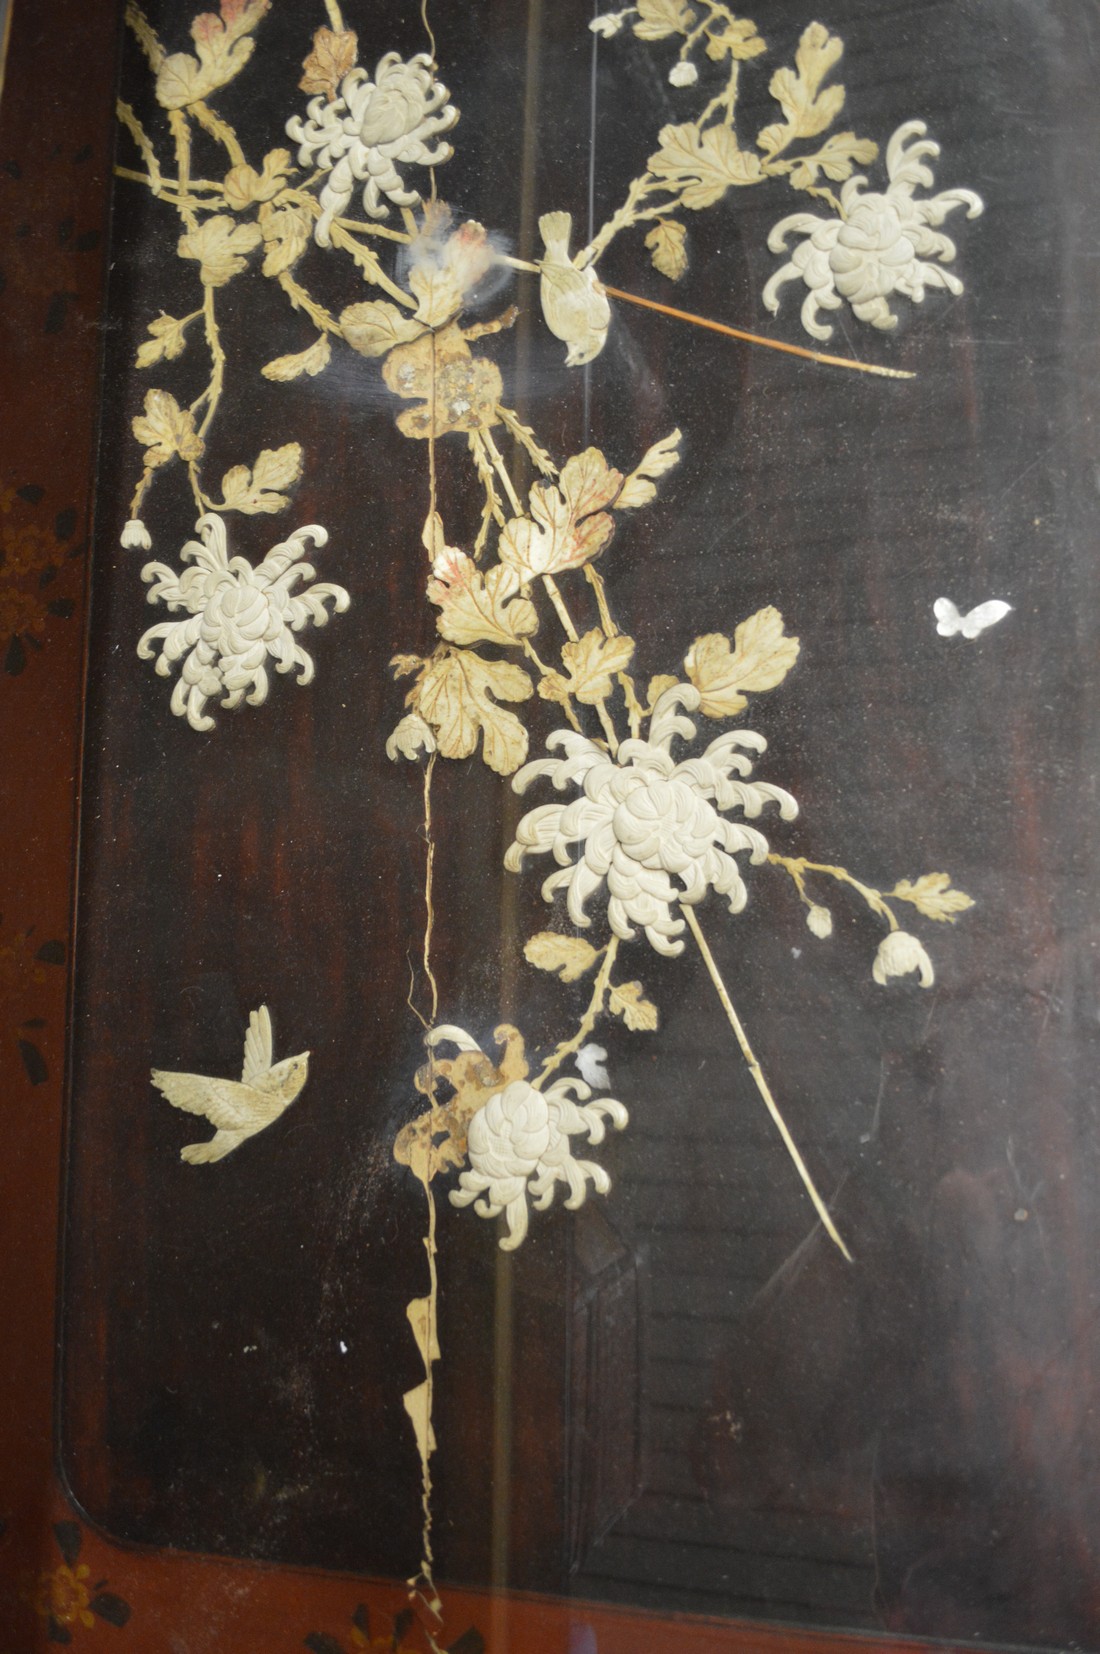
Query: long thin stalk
761 1083
758 338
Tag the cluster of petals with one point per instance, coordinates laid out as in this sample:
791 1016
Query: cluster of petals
647 827
881 244
519 1148
899 954
239 618
369 131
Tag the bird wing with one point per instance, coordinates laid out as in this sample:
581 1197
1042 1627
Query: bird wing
258 1050
227 1105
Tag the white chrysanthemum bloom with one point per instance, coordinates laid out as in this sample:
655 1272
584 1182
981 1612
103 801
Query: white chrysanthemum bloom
371 129
135 536
683 73
881 245
899 954
239 618
519 1151
644 821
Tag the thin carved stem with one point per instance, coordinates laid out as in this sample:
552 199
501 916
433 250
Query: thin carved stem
588 1021
212 394
758 339
221 130
797 866
760 1082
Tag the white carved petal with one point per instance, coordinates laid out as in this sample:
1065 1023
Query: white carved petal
798 223
516 1212
583 883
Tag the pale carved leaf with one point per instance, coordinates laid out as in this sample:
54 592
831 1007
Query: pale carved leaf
702 165
334 54
638 489
375 326
761 656
933 896
589 483
557 535
438 295
286 233
312 361
221 246
244 186
657 19
739 39
222 50
667 250
168 339
570 956
458 696
591 663
165 429
629 1002
656 688
259 489
183 79
476 607
808 108
836 158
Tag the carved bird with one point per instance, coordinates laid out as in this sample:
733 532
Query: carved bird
239 1111
574 305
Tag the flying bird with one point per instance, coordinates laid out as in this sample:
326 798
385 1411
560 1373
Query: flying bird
239 1111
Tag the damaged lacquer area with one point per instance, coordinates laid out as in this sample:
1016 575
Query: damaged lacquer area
238 1109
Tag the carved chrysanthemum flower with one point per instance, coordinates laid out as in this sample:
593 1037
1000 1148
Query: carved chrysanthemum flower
518 1146
239 618
370 130
644 821
881 245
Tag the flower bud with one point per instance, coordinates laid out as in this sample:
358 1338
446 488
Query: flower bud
135 536
899 954
820 921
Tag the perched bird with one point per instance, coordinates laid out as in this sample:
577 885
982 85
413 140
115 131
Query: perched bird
239 1111
574 305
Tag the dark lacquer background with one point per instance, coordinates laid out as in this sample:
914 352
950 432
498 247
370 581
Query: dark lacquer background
680 1397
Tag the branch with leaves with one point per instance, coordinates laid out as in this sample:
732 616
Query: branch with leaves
526 616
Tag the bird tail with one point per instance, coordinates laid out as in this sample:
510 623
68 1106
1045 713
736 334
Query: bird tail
555 229
221 1144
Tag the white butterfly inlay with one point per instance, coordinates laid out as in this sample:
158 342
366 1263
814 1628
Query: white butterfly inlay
950 623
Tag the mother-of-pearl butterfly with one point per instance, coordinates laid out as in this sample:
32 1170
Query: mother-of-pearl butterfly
950 623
